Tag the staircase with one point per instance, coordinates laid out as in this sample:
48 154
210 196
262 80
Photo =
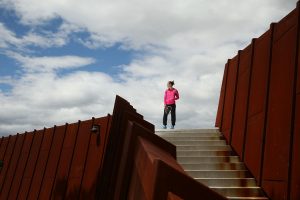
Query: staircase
204 155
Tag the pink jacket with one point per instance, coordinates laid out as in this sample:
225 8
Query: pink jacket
171 96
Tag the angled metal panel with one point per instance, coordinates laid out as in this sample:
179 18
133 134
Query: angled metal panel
78 161
280 107
241 105
13 166
94 159
40 164
230 97
53 161
16 183
62 173
30 165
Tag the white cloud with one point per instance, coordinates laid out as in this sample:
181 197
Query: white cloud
46 63
188 41
46 39
141 23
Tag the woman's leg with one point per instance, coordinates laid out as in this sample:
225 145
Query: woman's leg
173 114
165 118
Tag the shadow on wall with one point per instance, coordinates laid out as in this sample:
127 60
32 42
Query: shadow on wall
59 191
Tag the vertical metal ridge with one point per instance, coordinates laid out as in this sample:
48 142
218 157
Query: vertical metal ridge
248 97
224 95
59 159
9 162
14 174
234 98
35 162
86 157
266 105
21 181
72 158
293 114
42 180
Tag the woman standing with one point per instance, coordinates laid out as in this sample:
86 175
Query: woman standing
171 95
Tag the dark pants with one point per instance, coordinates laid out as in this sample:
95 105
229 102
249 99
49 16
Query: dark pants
167 110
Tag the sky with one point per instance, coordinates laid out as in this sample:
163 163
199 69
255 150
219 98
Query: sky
65 60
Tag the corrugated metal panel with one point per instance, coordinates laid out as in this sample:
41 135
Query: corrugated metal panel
241 105
271 145
230 96
257 104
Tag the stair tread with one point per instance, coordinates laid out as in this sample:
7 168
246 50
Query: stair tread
206 156
246 198
236 187
203 150
227 178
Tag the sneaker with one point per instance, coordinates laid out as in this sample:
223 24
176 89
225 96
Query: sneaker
172 127
164 127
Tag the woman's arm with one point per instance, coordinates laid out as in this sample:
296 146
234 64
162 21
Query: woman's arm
176 95
165 98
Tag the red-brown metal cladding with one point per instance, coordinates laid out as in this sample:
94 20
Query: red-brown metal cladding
41 163
61 178
4 147
138 150
1 141
229 97
36 162
51 167
295 163
221 100
295 174
94 158
143 152
275 189
256 109
272 146
13 191
240 111
78 162
280 104
12 167
7 159
259 78
30 165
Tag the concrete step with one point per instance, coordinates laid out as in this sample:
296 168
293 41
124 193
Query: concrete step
228 182
192 138
210 130
239 191
196 147
188 134
205 156
206 159
247 198
219 173
204 153
200 142
214 166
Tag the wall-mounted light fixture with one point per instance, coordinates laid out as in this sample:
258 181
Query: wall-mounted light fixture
95 129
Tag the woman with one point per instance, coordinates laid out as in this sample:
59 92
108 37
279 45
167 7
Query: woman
171 95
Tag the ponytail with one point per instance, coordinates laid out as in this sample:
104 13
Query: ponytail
172 82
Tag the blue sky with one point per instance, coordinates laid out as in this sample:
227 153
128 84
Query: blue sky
64 60
107 59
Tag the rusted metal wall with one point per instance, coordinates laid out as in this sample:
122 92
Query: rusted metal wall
229 99
219 118
260 116
62 162
240 111
125 160
139 164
